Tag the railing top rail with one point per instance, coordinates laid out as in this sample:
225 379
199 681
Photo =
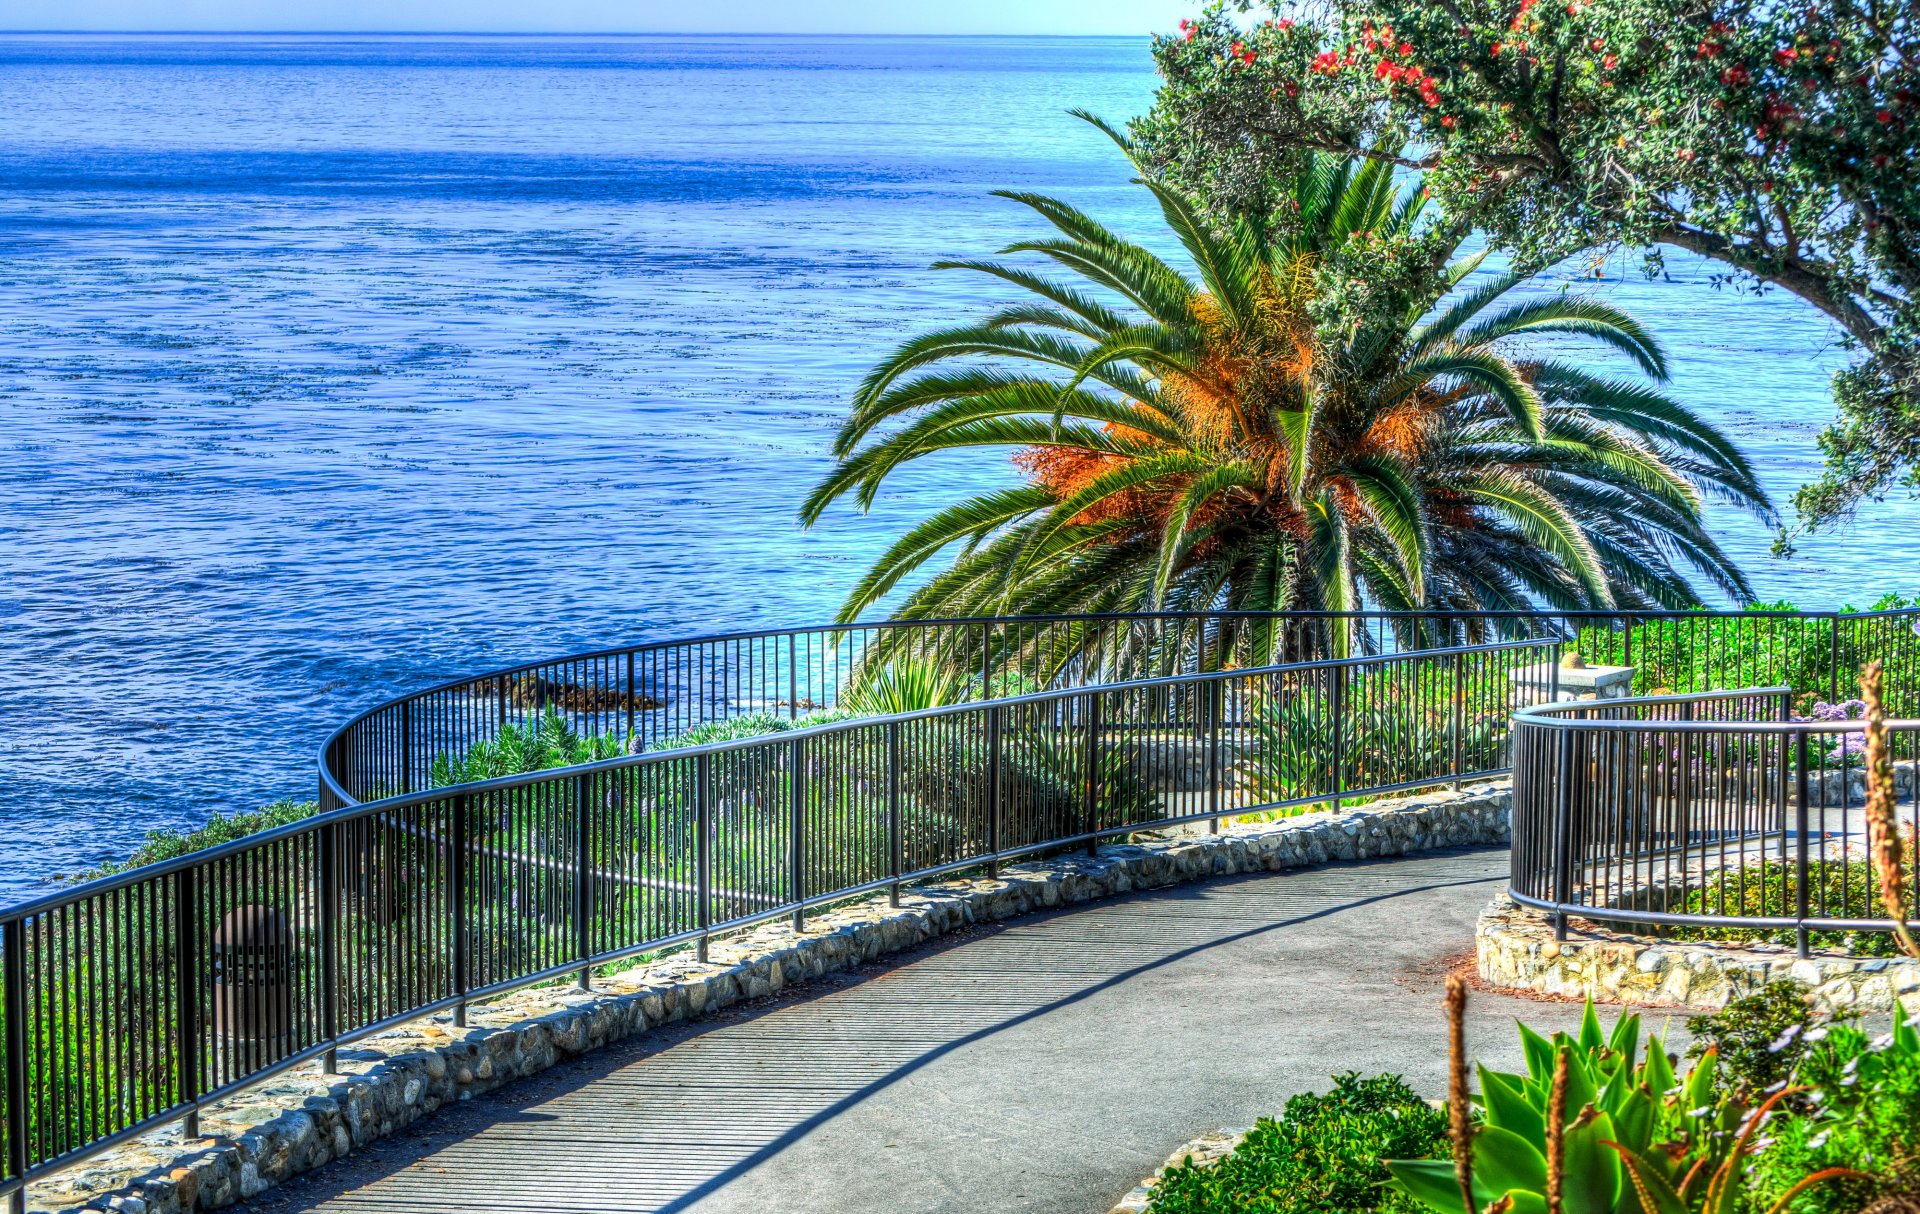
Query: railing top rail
350 812
1565 716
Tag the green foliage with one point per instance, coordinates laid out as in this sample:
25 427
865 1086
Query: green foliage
1864 1115
1776 139
165 844
519 747
1771 889
1391 734
1636 1137
1760 1039
1323 1155
905 684
1289 425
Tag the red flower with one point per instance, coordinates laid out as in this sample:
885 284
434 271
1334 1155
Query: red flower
1610 62
1883 117
1191 31
1494 49
1880 161
1735 77
1286 23
1785 55
1406 48
1449 121
1384 70
1597 45
1293 90
1326 62
1685 154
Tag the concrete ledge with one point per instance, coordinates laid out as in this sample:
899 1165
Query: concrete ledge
1516 950
300 1121
1206 1149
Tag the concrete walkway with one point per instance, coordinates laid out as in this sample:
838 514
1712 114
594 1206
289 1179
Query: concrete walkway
1044 1065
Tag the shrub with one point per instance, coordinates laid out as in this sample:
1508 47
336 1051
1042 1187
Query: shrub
1760 1038
1864 1115
165 844
1770 888
547 741
1323 1156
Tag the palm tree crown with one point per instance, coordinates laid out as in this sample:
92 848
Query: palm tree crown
1233 438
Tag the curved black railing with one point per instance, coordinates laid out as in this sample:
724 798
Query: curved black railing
136 999
1706 812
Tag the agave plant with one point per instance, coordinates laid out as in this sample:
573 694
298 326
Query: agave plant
1641 1140
1231 438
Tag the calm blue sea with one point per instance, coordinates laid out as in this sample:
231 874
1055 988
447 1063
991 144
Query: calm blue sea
334 366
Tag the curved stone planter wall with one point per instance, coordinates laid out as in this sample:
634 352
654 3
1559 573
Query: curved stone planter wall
1516 950
300 1121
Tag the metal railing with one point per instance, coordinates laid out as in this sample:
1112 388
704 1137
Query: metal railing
1723 815
137 999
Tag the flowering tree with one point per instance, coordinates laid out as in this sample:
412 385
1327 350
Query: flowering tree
1778 139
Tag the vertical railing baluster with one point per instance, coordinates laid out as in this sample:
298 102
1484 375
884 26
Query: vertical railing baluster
1563 832
896 847
1459 716
633 701
703 848
406 745
993 791
186 928
1801 937
457 907
1216 697
1337 704
583 881
328 844
796 833
13 977
1090 791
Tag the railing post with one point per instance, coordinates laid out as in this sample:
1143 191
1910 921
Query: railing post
328 842
896 850
793 675
1800 852
582 882
13 939
1090 801
457 899
796 833
703 848
186 929
993 791
1459 715
1563 834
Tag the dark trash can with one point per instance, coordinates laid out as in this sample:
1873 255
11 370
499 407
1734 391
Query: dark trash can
253 982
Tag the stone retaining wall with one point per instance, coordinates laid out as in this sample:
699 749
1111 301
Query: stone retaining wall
301 1120
1516 950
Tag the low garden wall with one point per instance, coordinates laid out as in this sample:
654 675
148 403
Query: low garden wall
1517 950
300 1121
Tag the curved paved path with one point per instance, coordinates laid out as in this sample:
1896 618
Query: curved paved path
1042 1065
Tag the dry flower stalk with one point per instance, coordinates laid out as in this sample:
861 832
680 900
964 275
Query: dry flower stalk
1459 1105
1557 1134
1883 819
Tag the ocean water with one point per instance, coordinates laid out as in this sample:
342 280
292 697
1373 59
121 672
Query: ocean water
335 366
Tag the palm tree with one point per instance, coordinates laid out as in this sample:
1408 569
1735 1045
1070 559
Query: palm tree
1221 442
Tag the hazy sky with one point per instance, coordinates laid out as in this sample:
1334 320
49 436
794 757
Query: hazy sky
1138 17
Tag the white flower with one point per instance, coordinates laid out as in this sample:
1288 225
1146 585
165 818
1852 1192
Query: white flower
1785 1039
